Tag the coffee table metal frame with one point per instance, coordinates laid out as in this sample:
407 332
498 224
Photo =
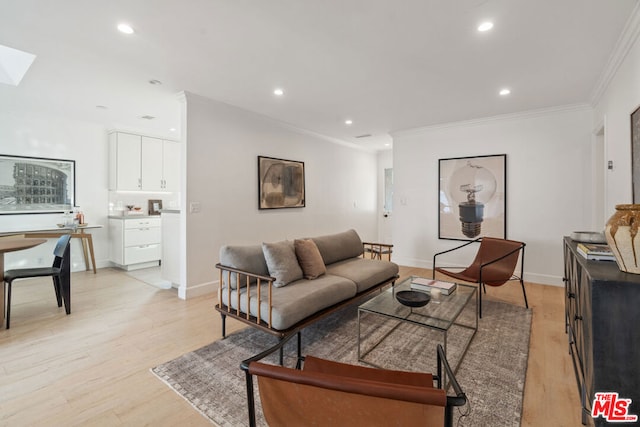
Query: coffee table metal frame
438 315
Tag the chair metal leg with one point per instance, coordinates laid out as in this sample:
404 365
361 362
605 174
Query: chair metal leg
65 288
56 287
526 303
8 304
480 303
65 280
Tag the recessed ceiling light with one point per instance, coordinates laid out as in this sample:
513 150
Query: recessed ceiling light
348 122
485 26
278 92
125 28
101 107
147 117
155 82
505 92
172 130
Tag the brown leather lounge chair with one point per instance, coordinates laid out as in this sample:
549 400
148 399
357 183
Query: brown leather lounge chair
494 265
326 393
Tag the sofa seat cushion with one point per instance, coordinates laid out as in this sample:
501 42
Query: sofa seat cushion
365 273
296 301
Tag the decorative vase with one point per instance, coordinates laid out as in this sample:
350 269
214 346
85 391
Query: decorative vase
623 238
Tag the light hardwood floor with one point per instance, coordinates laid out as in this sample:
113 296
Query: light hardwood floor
92 367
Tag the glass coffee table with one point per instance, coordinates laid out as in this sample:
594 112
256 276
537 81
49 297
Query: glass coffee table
440 315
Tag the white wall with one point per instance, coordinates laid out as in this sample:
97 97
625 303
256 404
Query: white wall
222 146
385 229
548 162
51 137
614 108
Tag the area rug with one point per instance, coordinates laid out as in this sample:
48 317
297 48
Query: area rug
492 373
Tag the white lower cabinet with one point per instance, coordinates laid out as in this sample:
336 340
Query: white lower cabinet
135 242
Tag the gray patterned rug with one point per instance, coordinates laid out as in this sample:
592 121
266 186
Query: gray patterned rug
492 373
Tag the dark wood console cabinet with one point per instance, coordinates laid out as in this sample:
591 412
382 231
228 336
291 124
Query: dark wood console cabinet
602 313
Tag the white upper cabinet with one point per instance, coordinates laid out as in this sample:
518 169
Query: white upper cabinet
152 178
124 162
171 165
143 163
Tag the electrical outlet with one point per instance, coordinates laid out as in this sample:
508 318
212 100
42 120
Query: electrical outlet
195 207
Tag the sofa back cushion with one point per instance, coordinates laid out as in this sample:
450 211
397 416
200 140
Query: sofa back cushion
247 258
338 247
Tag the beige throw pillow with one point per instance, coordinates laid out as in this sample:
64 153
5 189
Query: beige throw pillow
309 258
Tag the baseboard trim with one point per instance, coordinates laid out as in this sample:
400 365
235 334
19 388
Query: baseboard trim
186 292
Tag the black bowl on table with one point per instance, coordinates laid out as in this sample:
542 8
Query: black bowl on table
413 298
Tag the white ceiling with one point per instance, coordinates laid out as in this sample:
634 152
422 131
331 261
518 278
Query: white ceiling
387 65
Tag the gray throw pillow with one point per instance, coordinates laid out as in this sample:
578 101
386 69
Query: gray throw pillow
309 258
282 262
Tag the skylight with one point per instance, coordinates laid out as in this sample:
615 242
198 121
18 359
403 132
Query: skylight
14 64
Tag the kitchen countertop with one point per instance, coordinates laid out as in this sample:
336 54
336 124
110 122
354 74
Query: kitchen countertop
172 211
132 216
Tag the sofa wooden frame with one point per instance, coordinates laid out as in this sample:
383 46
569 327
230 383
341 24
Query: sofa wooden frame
227 273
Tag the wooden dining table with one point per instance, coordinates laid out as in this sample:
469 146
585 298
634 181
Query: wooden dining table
12 244
80 232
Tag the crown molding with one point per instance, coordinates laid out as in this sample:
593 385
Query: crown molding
624 44
510 116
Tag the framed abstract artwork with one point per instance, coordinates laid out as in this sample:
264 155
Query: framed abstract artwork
280 183
472 197
36 185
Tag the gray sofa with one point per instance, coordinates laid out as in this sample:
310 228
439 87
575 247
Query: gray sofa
265 286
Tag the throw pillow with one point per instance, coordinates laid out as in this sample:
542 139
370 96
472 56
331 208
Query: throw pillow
282 262
309 258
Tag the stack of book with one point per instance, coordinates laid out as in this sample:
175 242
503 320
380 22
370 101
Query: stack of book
422 284
596 252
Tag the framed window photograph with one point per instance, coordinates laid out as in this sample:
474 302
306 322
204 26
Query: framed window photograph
280 183
472 197
635 155
36 185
